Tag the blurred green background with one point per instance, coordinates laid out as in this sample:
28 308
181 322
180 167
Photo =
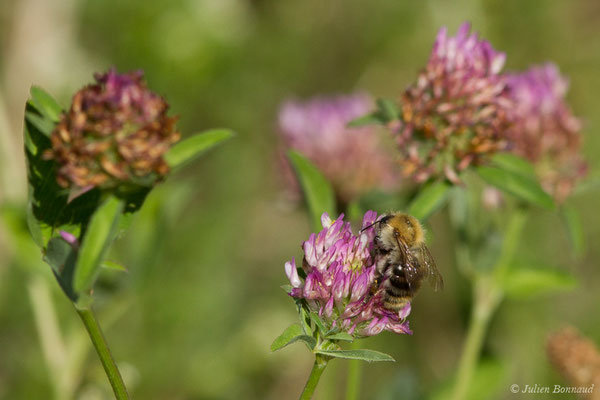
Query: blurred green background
195 314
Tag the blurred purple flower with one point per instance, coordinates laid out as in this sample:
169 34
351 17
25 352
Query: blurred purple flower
340 274
116 131
545 131
354 160
456 112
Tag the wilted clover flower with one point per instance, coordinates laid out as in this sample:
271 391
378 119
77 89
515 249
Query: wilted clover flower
115 132
340 274
577 359
545 131
354 160
455 113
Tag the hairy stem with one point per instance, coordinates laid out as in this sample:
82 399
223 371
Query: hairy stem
99 342
315 375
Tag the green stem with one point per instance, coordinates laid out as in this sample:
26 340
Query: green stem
512 237
487 299
46 323
487 296
354 373
110 367
315 375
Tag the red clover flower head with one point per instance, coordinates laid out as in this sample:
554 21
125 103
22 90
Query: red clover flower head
340 274
352 159
456 112
545 131
115 132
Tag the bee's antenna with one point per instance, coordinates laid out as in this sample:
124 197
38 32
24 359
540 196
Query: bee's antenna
368 226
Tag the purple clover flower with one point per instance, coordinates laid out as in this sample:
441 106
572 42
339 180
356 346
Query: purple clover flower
115 132
456 112
354 160
545 130
340 274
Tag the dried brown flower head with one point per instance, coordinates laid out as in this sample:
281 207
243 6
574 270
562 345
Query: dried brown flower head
116 132
577 359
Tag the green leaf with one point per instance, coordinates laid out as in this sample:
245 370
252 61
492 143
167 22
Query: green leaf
388 109
57 253
522 187
572 221
113 266
512 163
340 336
309 341
61 257
314 317
359 354
100 233
317 191
48 202
429 199
291 335
369 119
35 228
191 148
45 104
44 125
288 334
304 316
520 283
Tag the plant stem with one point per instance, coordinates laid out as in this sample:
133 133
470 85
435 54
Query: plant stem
315 375
99 342
487 299
354 372
487 296
49 333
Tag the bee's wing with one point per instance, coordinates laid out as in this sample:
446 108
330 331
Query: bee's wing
411 273
406 255
409 263
430 269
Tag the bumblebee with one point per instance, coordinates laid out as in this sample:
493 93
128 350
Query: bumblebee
403 260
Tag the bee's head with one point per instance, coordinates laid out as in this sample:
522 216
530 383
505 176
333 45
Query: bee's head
407 228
